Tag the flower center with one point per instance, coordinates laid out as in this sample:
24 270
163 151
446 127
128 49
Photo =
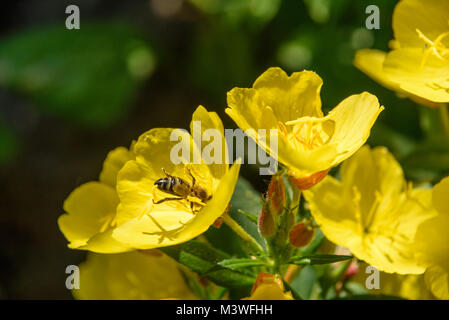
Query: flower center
435 47
306 135
365 219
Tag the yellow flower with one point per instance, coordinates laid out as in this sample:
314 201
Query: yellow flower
269 287
418 65
143 222
91 209
412 287
372 211
432 243
131 276
309 143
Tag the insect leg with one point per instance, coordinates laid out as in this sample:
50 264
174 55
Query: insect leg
166 199
191 175
166 173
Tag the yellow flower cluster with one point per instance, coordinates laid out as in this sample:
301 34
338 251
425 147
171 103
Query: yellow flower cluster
120 212
370 209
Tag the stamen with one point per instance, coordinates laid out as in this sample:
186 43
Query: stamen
283 131
356 197
107 223
436 47
371 214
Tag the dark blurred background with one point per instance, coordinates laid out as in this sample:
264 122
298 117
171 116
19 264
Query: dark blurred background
68 97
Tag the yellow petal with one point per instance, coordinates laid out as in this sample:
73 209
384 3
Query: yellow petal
440 196
103 242
432 243
353 118
437 279
300 92
166 228
430 17
153 150
370 62
412 287
130 276
366 214
432 240
115 160
90 210
371 170
428 81
210 120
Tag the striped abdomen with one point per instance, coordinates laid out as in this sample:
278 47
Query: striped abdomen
173 185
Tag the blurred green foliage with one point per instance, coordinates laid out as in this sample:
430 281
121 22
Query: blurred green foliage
9 145
91 77
88 76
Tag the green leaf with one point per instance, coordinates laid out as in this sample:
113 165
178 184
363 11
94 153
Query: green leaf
9 145
319 259
288 287
305 282
251 217
355 288
203 259
88 75
399 144
237 263
247 199
429 161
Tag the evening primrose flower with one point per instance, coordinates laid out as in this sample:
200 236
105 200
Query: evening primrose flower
91 209
131 276
145 219
418 64
432 243
372 211
269 287
309 143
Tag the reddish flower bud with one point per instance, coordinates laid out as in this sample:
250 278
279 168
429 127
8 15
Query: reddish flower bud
276 193
352 270
310 180
203 281
217 223
266 221
267 278
301 234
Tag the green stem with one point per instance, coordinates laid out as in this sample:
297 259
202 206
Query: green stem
231 223
444 113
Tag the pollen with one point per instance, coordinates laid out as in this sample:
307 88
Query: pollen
305 135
